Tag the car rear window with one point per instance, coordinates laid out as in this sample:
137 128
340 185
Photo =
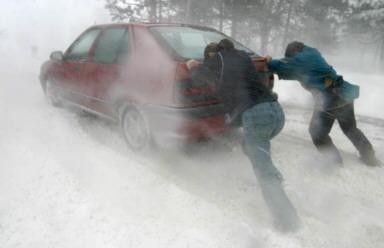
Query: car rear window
189 42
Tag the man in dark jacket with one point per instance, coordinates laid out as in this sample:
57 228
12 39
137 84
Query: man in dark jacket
333 100
248 102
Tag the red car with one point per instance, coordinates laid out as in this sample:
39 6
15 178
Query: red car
135 74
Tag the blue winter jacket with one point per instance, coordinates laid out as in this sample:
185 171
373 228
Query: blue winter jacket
316 75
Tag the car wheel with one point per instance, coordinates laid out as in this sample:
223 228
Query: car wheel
135 129
51 94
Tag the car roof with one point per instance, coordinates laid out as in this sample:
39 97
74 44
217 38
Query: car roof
149 24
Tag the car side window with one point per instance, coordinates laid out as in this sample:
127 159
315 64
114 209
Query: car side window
80 49
110 46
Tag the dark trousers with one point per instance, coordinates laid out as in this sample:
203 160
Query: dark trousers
321 125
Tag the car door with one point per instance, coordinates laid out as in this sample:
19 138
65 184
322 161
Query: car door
69 72
104 70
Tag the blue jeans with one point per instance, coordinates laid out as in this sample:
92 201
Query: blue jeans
261 123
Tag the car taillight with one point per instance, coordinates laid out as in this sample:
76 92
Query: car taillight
189 92
271 81
182 71
271 77
260 64
266 77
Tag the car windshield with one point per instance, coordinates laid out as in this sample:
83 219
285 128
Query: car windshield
190 42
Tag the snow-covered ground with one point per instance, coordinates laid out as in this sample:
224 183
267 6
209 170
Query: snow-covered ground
67 180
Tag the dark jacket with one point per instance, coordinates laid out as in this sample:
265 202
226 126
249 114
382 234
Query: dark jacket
316 75
237 82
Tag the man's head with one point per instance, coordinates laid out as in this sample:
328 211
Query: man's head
293 48
210 50
226 44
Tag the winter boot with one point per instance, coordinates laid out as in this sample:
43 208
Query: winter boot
371 160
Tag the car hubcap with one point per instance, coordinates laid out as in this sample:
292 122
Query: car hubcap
135 130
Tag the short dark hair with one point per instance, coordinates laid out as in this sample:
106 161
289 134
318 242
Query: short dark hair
210 48
293 48
226 44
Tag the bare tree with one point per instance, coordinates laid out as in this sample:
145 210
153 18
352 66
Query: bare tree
267 24
367 18
122 10
287 25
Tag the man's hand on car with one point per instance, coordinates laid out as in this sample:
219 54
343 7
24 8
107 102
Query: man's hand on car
268 58
192 63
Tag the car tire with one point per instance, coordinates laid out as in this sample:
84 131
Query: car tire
51 94
135 129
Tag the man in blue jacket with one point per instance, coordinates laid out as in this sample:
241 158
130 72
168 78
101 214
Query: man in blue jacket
333 100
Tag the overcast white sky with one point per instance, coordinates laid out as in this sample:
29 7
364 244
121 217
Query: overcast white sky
27 23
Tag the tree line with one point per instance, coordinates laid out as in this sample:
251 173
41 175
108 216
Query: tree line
268 25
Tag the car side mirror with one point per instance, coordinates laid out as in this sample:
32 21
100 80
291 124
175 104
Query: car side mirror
56 56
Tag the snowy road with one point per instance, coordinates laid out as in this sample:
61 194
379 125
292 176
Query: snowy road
68 181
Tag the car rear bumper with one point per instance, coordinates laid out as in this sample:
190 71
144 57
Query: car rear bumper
187 123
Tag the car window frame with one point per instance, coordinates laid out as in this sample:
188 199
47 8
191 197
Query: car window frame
65 56
128 31
116 61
